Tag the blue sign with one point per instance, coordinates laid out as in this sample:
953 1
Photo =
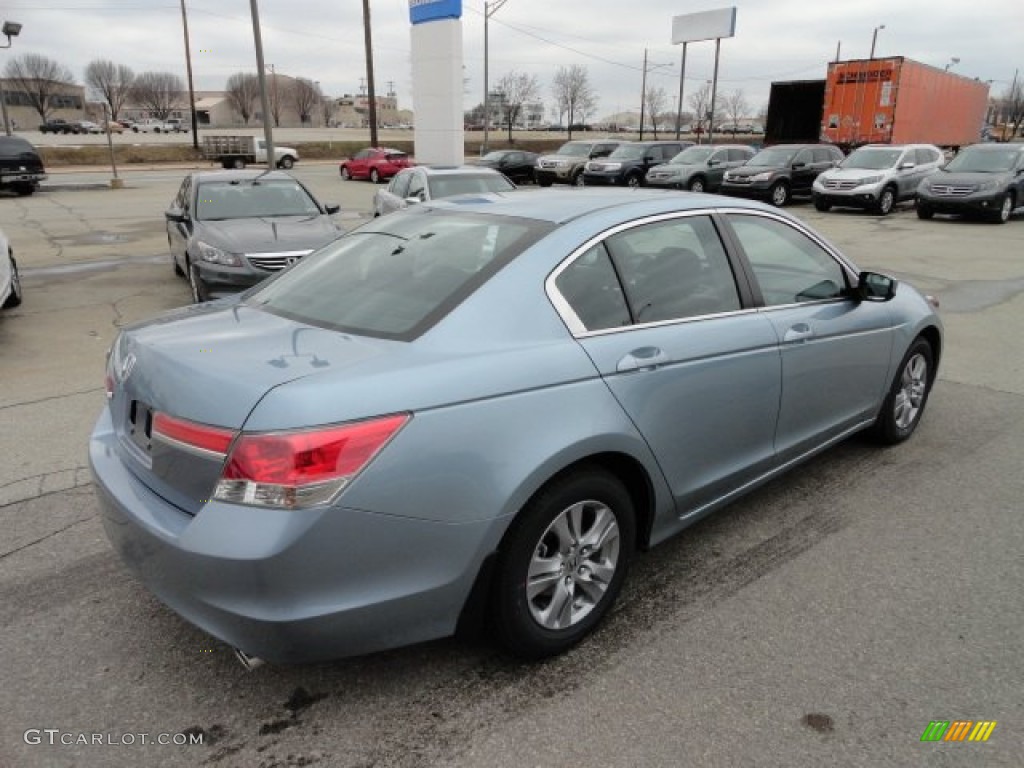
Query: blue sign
434 10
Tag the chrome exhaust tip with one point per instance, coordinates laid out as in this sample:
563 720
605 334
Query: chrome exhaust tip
249 662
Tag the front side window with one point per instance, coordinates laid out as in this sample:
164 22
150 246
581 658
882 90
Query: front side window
396 276
790 267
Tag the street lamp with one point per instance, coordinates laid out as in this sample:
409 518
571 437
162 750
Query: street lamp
874 39
952 62
11 29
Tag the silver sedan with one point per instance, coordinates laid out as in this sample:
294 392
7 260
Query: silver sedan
486 408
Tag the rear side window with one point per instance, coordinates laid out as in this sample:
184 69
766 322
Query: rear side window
592 289
398 275
674 269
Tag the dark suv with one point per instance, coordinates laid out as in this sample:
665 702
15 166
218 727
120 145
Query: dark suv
628 165
777 173
566 165
21 168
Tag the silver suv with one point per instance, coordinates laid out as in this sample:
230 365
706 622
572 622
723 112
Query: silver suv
877 176
566 165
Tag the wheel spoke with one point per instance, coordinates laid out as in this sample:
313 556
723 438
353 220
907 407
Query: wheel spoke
603 528
559 611
542 583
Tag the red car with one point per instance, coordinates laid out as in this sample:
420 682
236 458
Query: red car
375 164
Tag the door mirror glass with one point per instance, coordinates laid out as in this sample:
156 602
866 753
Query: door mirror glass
872 286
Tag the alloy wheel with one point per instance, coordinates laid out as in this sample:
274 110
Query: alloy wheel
573 565
913 387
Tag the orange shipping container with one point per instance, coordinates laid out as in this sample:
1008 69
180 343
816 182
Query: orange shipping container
897 100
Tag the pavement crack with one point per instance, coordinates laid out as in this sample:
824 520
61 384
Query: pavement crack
41 539
49 398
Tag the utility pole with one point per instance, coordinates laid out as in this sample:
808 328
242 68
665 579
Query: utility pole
268 131
369 73
191 90
490 9
643 96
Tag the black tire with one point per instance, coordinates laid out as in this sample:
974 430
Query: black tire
25 189
238 163
533 536
924 212
697 184
634 181
286 162
578 180
822 205
543 182
904 405
1006 206
14 299
374 176
345 175
779 195
886 201
195 283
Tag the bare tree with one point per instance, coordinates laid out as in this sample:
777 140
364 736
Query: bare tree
736 107
573 94
654 104
40 78
518 88
277 91
159 92
303 97
112 81
326 106
243 88
1012 106
700 100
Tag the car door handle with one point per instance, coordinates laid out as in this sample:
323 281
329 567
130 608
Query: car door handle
642 359
798 333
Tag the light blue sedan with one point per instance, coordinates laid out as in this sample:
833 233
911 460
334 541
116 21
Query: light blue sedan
484 408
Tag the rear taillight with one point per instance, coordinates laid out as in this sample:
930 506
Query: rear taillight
191 435
290 470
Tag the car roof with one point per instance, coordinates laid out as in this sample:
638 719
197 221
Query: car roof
994 147
561 205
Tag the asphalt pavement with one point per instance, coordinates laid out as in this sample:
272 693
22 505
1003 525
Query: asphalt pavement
824 620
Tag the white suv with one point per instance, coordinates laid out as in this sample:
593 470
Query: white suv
877 176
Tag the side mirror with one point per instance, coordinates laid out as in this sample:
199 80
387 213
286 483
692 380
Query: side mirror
413 201
331 208
797 166
176 214
712 162
907 166
871 286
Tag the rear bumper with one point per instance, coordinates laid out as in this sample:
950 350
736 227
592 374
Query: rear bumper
21 177
291 586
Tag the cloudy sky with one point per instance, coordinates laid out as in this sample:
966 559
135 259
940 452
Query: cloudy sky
323 40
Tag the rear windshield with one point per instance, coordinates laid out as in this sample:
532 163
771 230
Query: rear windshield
15 147
398 275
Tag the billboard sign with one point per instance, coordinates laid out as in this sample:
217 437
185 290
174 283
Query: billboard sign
421 11
706 25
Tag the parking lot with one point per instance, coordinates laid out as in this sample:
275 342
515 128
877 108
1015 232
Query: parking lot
823 620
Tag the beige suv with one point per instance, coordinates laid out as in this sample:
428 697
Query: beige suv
566 165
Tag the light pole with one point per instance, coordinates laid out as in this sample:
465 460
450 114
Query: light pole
952 62
11 29
874 39
490 9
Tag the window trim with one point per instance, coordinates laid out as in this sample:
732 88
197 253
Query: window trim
579 330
